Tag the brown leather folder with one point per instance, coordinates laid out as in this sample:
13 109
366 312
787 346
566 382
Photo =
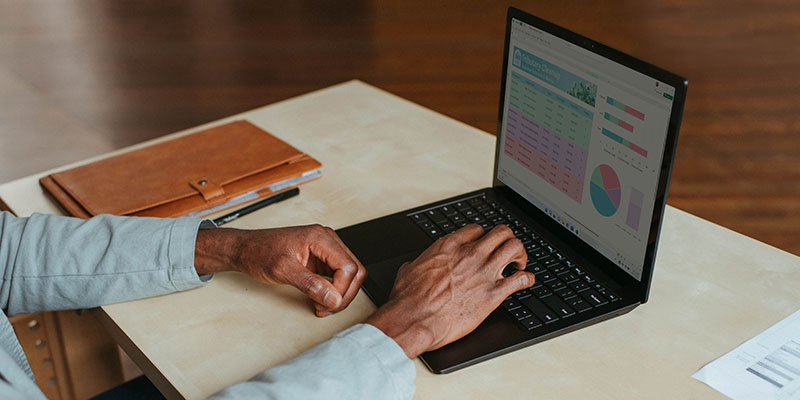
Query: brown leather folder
196 174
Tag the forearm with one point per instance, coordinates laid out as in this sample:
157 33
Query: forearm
217 250
359 363
52 262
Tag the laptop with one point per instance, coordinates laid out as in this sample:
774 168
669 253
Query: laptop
586 138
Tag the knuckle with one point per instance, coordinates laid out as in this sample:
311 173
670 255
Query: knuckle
311 285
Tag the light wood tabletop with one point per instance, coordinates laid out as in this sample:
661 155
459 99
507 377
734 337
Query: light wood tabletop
712 288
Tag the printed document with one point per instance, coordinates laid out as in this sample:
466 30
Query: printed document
765 367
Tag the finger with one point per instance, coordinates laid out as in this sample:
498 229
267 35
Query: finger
510 252
466 234
325 247
514 283
314 286
494 238
361 273
352 291
336 237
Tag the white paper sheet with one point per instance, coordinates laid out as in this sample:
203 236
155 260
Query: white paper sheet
765 367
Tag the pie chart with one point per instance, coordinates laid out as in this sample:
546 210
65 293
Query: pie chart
605 190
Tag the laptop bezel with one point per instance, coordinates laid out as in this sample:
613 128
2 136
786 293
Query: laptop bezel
641 287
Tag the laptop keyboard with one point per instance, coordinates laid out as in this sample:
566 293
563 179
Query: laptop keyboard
562 289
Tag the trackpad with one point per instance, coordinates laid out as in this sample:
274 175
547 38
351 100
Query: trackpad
381 276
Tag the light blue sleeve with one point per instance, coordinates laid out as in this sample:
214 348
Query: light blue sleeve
358 363
58 263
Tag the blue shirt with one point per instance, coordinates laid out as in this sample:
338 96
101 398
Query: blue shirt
52 263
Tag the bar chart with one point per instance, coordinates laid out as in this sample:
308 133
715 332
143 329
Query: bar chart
619 139
624 107
634 209
614 120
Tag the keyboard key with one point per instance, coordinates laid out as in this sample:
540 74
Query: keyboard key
566 293
435 232
579 285
531 323
558 269
523 293
446 225
489 213
549 261
610 296
511 304
568 277
475 200
535 268
545 276
461 205
427 224
559 306
448 211
579 304
435 216
457 218
539 254
541 291
469 212
593 297
520 313
540 310
556 285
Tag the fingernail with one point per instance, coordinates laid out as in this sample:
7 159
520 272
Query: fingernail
331 300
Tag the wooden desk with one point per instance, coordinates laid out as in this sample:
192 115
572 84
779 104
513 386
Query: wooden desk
712 290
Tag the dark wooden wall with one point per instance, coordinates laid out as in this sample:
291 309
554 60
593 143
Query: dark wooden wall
80 77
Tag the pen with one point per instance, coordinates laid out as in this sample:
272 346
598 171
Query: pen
256 206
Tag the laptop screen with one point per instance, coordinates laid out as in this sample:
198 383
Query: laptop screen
582 138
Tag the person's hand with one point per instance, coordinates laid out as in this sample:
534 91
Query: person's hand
300 256
451 287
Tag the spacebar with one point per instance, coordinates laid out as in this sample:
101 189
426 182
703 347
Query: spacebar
540 310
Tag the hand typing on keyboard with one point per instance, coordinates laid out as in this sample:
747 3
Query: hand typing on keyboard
451 287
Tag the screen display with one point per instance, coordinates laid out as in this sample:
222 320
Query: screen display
582 138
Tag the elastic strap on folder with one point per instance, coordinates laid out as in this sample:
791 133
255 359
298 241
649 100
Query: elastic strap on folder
212 193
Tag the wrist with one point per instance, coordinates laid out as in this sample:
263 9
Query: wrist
216 250
411 335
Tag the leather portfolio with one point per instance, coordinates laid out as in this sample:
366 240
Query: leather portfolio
196 174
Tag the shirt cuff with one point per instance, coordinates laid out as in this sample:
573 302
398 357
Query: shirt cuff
183 238
390 355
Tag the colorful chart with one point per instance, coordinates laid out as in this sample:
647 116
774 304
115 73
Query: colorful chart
605 190
635 208
614 120
624 107
619 139
548 134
